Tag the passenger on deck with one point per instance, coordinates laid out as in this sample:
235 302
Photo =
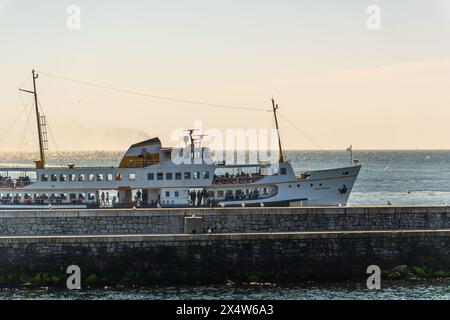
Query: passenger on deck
193 196
199 198
205 196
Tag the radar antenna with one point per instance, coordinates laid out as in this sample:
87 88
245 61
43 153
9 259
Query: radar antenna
191 138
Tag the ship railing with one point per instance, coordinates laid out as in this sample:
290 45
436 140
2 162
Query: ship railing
246 197
237 179
15 183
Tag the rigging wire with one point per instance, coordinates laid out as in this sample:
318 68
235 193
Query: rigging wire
26 79
27 122
200 103
11 126
26 106
303 133
205 104
23 138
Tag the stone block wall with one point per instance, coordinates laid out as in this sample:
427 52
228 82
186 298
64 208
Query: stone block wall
228 220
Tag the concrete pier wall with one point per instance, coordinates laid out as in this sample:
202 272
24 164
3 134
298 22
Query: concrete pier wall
93 222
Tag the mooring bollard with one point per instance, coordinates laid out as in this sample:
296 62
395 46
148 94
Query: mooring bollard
193 225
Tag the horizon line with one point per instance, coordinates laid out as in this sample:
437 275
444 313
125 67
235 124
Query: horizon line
285 150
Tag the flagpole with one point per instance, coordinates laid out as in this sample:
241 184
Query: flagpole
350 149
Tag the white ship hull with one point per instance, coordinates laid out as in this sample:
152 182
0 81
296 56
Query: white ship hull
62 188
322 188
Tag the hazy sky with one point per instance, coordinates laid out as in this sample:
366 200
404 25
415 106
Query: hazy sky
338 81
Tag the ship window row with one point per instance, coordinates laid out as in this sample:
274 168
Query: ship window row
72 177
224 193
45 198
176 194
178 175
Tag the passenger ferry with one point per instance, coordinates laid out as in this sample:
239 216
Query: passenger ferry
147 176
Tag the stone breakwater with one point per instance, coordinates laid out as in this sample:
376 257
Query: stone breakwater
281 244
228 220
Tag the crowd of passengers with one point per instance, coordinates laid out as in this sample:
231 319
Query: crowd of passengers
239 195
240 178
42 199
7 182
201 197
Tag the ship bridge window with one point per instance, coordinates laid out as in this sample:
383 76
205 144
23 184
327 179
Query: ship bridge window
283 171
81 177
132 177
62 177
159 176
118 177
195 175
187 175
206 175
177 194
72 177
109 177
177 175
91 177
150 176
100 177
169 176
44 177
167 194
53 177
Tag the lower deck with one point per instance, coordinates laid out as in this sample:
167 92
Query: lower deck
166 197
326 187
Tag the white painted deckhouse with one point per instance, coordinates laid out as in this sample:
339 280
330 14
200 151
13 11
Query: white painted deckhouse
147 176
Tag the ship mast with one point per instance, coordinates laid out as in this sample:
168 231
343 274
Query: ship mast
40 164
275 107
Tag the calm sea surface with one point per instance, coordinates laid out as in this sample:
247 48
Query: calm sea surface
401 177
390 290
